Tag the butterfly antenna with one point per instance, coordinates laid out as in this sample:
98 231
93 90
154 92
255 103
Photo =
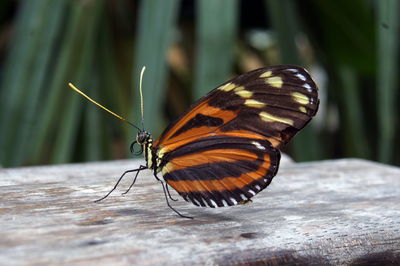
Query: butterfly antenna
101 106
141 94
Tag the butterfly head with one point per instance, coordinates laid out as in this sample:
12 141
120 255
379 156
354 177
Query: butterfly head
143 138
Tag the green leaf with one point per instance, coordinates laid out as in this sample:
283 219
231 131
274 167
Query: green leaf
355 144
286 23
155 32
23 76
388 77
217 25
346 33
46 41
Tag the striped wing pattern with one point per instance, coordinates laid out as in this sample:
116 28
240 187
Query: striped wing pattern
221 171
222 150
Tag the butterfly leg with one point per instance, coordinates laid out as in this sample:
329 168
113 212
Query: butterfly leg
166 186
119 180
134 180
166 199
169 194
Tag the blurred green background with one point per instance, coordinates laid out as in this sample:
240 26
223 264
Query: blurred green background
351 49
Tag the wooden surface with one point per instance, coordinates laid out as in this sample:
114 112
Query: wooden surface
331 212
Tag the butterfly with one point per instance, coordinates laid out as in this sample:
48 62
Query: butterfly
223 149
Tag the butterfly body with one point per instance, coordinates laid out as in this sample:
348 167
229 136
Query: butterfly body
222 150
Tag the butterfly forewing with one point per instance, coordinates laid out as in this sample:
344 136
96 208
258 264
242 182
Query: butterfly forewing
271 103
249 115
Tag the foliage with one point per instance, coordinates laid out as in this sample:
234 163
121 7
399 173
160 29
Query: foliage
190 47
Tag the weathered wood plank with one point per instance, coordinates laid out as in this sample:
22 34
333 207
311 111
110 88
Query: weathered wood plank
332 212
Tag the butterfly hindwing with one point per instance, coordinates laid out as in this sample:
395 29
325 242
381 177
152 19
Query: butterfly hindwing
220 171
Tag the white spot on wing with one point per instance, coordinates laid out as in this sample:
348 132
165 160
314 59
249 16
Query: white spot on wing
258 145
265 180
301 76
243 197
252 192
257 187
196 202
233 200
293 70
308 87
213 203
201 202
224 203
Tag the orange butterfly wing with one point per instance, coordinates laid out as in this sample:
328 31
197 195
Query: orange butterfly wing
250 115
221 171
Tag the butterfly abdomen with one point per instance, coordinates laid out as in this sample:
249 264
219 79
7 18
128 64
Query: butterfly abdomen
149 154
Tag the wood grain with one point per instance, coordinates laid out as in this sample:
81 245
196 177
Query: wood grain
332 212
